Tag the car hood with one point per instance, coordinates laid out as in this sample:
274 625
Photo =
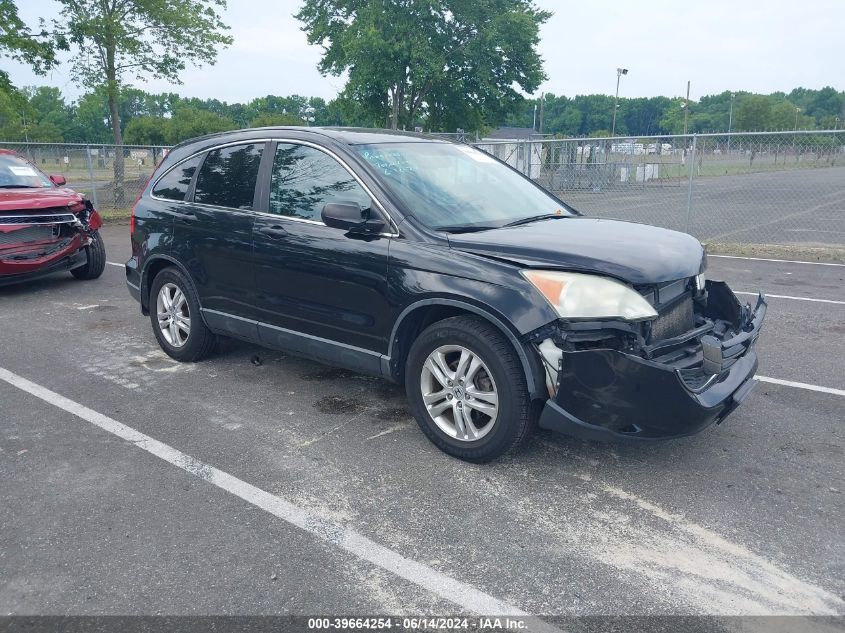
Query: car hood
636 253
25 199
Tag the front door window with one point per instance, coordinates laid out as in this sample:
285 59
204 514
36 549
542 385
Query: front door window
305 179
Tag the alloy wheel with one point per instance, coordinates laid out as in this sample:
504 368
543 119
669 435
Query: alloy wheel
174 318
459 393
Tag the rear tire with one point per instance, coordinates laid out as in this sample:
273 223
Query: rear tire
95 253
176 319
484 410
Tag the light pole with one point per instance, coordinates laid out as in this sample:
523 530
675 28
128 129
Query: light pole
619 73
731 121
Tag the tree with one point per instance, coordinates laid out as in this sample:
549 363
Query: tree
783 116
12 108
412 59
19 42
271 119
116 38
189 122
753 113
50 117
825 103
92 118
38 49
147 130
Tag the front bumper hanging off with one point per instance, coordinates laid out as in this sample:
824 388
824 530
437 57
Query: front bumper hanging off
607 394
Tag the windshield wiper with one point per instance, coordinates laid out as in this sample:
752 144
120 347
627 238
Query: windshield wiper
465 228
19 187
535 218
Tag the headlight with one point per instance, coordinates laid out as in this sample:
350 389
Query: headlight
580 296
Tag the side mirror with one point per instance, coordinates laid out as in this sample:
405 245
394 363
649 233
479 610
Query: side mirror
58 180
350 217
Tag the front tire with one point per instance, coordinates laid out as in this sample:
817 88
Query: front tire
176 319
95 264
467 390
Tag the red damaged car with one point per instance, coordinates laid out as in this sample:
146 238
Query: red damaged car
44 226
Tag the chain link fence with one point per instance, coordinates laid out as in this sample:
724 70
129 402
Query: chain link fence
90 169
785 188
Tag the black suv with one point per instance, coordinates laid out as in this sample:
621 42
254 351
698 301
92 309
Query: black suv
432 264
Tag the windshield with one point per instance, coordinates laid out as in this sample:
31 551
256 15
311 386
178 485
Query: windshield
449 186
16 172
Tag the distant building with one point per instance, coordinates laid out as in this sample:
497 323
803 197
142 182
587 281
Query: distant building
510 144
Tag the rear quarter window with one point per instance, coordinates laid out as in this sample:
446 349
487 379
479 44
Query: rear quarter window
174 184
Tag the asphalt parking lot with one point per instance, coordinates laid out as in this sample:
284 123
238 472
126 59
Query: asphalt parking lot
791 207
256 483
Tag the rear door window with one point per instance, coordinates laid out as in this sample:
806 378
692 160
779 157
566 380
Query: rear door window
228 175
175 183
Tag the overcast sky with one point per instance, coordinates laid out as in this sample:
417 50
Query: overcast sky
756 45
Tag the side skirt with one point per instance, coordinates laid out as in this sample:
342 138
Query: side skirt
306 345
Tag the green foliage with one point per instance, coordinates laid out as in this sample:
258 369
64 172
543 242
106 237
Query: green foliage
146 130
754 113
188 122
439 63
270 119
586 115
137 38
12 111
146 117
18 41
140 38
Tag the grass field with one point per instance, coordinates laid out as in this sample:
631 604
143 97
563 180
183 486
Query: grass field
115 216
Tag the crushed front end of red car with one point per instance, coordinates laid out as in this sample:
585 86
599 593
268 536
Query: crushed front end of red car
44 228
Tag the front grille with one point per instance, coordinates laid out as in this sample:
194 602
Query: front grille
37 217
37 233
45 211
674 320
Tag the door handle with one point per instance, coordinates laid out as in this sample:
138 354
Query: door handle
274 231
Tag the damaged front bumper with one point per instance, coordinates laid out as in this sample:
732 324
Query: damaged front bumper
39 242
643 390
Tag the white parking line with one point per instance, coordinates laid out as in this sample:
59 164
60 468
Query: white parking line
347 539
834 301
802 385
116 264
781 261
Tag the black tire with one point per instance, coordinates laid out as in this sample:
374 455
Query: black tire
95 264
513 423
201 342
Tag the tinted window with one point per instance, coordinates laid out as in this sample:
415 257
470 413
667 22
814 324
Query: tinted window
228 175
175 183
305 179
